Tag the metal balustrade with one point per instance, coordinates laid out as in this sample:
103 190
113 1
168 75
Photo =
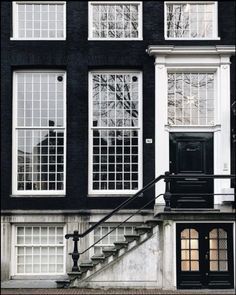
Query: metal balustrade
167 177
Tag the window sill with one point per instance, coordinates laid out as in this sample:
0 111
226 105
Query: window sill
38 196
115 39
192 39
189 128
108 195
37 39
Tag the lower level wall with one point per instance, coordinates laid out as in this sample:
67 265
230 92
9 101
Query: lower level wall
71 221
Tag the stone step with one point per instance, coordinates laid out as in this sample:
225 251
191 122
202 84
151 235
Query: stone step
131 238
153 222
121 244
109 251
98 258
84 266
143 229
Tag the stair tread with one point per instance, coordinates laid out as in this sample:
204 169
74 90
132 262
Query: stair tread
98 257
120 242
132 235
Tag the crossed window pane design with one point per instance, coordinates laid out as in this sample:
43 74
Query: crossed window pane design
39 250
111 21
191 98
218 250
40 131
115 131
190 20
40 20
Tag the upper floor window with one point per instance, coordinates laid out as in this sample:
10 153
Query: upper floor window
115 132
120 20
39 123
191 98
39 20
191 20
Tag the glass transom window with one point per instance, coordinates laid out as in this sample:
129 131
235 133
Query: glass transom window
191 98
39 250
115 132
39 132
39 20
190 20
112 21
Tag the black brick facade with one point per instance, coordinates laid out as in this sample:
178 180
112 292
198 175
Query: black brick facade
77 56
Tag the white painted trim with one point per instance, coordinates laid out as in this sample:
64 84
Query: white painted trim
15 36
32 193
13 267
155 50
140 20
200 58
110 193
215 22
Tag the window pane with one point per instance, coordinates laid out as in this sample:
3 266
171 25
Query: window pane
116 134
115 21
40 152
188 20
35 258
40 20
190 98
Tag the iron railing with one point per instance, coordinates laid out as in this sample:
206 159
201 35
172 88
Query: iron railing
167 177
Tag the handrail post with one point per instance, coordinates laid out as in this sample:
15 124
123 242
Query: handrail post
75 254
167 194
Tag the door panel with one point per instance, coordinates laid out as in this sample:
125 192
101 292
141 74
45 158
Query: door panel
191 153
204 256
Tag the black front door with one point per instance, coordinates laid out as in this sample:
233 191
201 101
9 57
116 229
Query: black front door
191 153
204 256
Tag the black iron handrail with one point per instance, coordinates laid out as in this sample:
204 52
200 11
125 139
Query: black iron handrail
167 197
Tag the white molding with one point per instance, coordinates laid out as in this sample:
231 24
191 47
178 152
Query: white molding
155 50
15 36
194 58
124 192
36 193
140 20
215 21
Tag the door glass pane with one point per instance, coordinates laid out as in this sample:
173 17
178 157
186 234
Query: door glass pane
189 250
218 250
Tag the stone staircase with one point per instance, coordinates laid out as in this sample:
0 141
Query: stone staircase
109 255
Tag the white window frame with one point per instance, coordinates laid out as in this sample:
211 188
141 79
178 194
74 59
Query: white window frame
109 225
90 20
200 70
15 36
35 193
215 20
124 192
13 264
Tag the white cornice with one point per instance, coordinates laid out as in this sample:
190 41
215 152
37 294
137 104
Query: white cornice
154 50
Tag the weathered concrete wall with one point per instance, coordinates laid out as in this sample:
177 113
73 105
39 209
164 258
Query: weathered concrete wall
138 268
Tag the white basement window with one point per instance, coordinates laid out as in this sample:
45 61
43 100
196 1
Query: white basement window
191 20
116 235
39 129
39 250
110 20
191 98
115 132
39 20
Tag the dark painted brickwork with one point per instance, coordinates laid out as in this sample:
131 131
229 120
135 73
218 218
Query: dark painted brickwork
77 56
